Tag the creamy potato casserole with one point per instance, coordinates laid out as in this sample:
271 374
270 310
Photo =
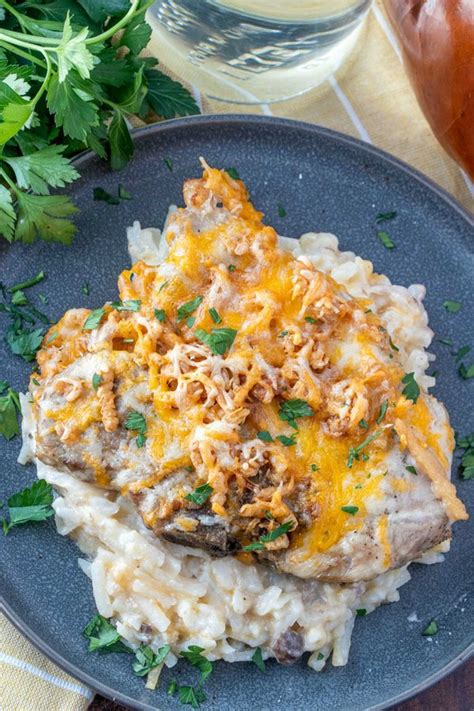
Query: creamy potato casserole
243 444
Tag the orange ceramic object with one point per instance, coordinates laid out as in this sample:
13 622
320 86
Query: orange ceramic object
437 41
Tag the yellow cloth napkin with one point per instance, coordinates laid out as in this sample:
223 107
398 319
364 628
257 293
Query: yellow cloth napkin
30 682
370 99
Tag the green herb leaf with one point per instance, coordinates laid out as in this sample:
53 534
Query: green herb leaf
280 530
146 659
231 267
189 307
85 288
169 164
120 141
430 629
200 495
233 172
411 390
103 637
214 315
287 441
265 436
94 319
310 319
257 659
392 345
28 283
463 351
219 340
127 305
190 696
364 424
172 686
352 510
31 504
290 410
193 655
9 406
7 214
385 216
73 104
466 372
354 452
281 210
190 321
386 240
97 381
43 169
314 468
452 307
44 215
361 612
100 194
168 97
410 468
23 342
136 421
382 412
160 315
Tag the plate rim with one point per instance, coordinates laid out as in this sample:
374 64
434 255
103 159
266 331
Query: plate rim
244 120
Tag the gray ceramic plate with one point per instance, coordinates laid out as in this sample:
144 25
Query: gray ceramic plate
326 182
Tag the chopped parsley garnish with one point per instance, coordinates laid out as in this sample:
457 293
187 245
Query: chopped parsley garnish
19 299
411 390
282 334
281 210
169 164
364 424
320 656
291 410
94 319
354 452
219 340
310 319
280 530
430 629
31 504
190 321
103 637
231 268
44 299
361 612
445 341
386 240
35 381
52 337
200 495
193 655
385 216
188 308
466 372
23 342
9 406
127 305
314 468
160 314
352 510
233 172
172 686
26 284
265 436
214 315
85 288
123 193
257 659
163 286
287 441
392 345
410 468
467 459
136 422
463 351
96 381
146 659
191 696
102 195
382 412
452 307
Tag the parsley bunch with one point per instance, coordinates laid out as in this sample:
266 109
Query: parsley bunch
70 79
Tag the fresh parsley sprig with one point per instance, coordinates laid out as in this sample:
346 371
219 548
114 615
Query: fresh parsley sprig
71 75
9 407
31 504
